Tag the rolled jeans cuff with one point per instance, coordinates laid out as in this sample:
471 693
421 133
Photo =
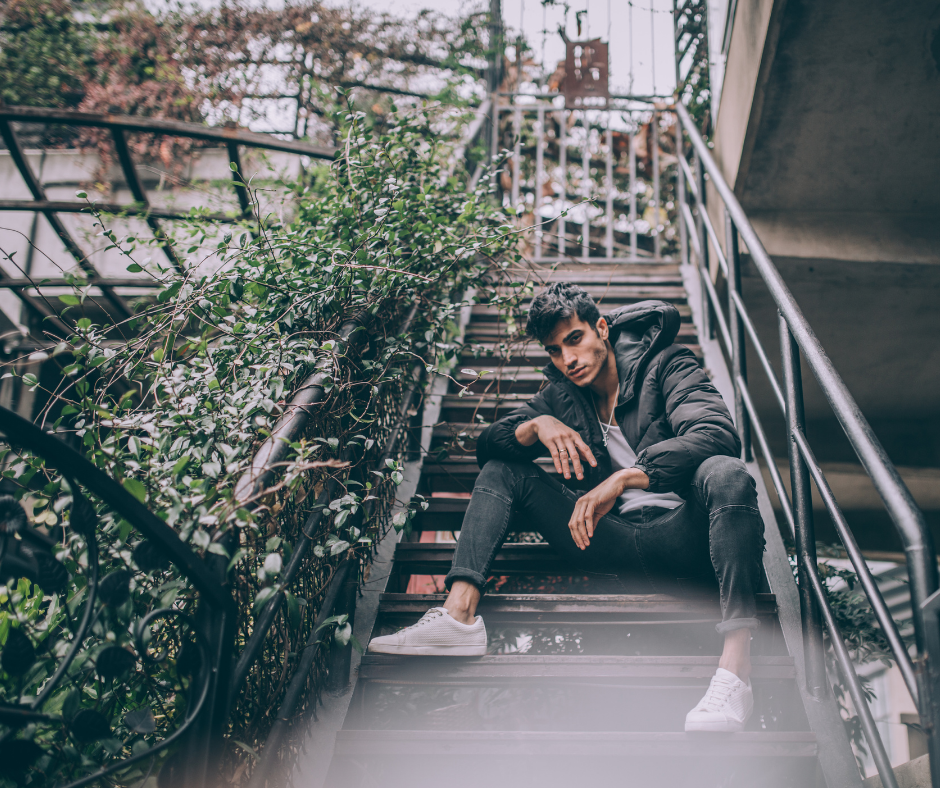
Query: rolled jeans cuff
737 623
468 575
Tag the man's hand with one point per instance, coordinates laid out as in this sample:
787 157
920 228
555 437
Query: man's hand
565 444
595 504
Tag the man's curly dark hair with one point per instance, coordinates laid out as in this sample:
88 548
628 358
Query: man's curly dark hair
557 302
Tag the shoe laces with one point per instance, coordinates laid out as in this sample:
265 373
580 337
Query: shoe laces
432 615
719 691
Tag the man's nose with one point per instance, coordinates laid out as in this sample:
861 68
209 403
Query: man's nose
570 359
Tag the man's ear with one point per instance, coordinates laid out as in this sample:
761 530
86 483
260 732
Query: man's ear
603 330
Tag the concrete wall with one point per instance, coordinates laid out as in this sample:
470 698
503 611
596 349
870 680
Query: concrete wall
827 130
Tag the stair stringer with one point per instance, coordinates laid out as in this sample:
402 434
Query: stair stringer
836 758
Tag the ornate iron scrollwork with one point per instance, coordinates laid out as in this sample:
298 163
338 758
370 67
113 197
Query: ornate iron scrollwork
105 662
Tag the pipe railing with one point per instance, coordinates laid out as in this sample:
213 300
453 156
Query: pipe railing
921 674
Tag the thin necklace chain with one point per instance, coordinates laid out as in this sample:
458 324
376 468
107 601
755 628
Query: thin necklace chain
598 414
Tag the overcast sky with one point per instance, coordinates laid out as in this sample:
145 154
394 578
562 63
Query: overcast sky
640 33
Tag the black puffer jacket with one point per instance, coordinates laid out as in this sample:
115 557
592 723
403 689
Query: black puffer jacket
668 409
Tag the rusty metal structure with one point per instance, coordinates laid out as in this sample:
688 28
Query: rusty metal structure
587 70
119 126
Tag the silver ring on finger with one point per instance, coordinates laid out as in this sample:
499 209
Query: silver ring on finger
562 451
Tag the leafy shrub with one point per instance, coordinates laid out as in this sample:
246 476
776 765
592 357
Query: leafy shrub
175 402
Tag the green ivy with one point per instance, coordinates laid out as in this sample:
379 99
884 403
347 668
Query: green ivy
175 402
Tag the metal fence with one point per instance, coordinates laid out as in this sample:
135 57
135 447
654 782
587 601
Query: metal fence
587 173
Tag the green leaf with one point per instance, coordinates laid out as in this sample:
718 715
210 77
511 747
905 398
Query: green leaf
293 609
136 488
165 295
261 599
343 634
134 268
181 464
239 555
30 379
71 300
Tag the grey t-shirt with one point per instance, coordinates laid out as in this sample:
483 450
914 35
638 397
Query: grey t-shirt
622 457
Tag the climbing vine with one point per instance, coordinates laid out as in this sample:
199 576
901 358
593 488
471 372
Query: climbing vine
175 402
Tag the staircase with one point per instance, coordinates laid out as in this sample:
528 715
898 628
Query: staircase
579 684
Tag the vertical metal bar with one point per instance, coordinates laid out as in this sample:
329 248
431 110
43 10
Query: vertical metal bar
586 187
632 189
708 325
539 163
927 635
494 138
801 497
516 156
654 128
238 180
736 328
609 208
680 195
340 657
140 194
563 166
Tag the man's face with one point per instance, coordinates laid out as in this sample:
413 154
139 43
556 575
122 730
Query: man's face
578 352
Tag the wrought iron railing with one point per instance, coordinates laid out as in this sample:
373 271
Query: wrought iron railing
230 645
922 673
202 657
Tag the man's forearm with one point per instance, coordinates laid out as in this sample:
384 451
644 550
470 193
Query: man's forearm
527 433
632 479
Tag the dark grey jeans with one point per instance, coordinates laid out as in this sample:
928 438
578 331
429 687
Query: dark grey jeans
718 534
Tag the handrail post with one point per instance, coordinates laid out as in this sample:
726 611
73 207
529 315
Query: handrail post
736 327
708 325
928 676
801 496
680 195
340 657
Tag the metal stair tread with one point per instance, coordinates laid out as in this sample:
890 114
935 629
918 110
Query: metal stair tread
364 742
599 604
522 667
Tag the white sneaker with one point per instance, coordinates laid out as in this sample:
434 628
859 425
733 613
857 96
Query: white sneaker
726 706
437 633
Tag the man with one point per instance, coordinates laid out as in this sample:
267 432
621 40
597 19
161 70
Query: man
653 489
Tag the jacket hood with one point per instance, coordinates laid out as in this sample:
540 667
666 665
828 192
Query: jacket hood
637 332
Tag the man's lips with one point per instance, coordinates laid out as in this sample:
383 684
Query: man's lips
577 373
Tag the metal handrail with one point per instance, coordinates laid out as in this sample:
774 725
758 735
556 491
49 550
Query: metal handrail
921 674
118 126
